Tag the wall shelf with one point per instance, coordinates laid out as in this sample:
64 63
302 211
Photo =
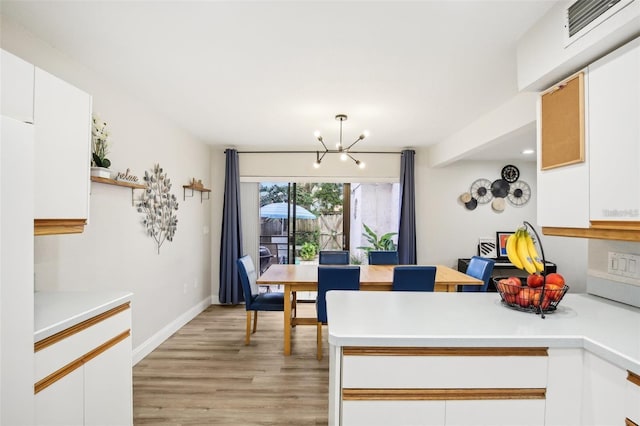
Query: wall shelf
122 183
195 187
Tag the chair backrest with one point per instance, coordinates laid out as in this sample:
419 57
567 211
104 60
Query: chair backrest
334 257
413 278
383 257
248 277
334 278
480 268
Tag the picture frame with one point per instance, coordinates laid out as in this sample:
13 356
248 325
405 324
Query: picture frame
487 248
501 243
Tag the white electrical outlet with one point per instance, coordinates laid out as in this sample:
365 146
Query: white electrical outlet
624 264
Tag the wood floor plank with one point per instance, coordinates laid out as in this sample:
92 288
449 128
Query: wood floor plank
205 375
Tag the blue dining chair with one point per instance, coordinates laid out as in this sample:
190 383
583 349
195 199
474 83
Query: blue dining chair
413 278
383 257
254 300
332 278
334 257
480 268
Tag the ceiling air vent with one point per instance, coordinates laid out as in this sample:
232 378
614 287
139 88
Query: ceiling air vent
584 15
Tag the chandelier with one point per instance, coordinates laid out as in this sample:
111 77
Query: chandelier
340 148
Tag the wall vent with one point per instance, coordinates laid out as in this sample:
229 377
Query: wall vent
584 15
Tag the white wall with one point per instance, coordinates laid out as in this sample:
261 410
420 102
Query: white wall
543 58
448 231
114 252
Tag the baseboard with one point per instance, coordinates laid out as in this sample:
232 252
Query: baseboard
154 341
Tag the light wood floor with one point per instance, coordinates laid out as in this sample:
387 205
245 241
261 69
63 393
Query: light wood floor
205 375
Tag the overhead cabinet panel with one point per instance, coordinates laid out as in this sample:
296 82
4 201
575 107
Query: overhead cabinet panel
62 119
563 123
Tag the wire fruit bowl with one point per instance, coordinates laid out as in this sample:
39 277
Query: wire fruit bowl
543 299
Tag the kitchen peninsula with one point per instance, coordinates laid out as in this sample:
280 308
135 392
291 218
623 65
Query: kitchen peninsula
438 358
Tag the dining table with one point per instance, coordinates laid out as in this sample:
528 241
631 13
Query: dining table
304 277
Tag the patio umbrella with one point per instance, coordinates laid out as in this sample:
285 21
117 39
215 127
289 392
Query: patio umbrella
279 211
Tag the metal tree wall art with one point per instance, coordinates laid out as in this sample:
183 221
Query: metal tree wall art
158 206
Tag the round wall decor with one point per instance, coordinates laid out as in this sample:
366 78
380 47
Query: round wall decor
519 193
510 173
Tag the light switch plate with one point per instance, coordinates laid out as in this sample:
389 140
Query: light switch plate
624 264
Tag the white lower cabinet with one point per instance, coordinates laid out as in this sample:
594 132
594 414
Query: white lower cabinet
108 387
443 386
84 373
603 393
61 404
385 413
632 398
508 412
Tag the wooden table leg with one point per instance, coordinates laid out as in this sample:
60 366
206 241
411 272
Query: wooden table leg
287 319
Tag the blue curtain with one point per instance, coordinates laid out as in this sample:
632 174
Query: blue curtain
231 241
407 231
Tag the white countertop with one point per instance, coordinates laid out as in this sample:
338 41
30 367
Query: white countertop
370 318
58 310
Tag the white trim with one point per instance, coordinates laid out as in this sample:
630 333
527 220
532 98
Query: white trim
140 352
325 179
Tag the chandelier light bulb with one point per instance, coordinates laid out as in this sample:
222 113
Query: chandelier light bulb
316 134
360 164
343 156
316 164
365 134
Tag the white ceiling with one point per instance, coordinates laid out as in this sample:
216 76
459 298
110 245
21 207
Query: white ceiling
267 74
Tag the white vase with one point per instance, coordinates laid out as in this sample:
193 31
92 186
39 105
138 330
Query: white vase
101 172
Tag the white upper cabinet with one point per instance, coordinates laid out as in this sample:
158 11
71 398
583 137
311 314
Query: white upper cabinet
614 130
62 119
563 154
17 87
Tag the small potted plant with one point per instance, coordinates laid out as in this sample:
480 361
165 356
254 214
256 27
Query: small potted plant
308 251
100 148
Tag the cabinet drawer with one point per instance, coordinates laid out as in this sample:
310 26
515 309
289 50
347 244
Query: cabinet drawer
632 398
69 345
474 368
495 413
385 413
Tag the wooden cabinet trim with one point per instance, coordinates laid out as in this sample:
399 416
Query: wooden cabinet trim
627 234
79 327
353 394
79 362
58 226
633 378
418 351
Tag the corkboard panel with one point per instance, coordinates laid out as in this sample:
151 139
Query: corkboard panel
563 123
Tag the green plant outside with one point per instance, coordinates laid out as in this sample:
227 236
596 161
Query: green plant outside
308 251
383 242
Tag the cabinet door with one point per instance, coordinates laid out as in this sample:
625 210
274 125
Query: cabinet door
108 387
384 413
17 87
512 412
62 119
62 402
614 130
603 395
563 191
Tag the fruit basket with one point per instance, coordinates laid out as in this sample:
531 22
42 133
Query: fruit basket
543 299
542 292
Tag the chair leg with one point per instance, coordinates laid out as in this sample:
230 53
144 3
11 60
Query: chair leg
319 337
247 336
255 321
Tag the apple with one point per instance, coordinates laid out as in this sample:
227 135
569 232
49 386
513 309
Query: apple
555 278
523 298
509 298
508 286
553 291
535 280
515 281
546 301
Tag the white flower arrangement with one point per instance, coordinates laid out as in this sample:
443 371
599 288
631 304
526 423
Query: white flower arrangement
100 142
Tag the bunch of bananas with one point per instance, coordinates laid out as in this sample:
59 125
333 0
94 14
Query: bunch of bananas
522 252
